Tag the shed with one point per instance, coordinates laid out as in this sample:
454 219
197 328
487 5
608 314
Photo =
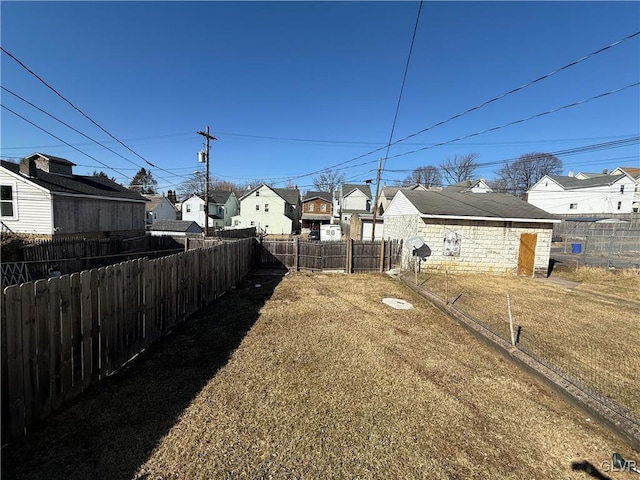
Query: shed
488 233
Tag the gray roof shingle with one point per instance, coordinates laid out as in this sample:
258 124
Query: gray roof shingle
570 183
347 188
173 225
322 195
488 205
77 184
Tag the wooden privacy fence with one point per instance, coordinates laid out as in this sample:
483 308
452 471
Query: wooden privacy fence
351 256
61 335
72 254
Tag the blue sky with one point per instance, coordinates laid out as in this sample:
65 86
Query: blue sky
291 88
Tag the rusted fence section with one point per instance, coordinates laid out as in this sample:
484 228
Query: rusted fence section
351 256
61 335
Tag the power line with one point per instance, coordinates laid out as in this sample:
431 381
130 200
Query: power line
77 109
76 130
522 87
393 126
481 105
531 117
58 138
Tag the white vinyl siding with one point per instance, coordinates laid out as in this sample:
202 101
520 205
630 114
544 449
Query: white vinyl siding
32 206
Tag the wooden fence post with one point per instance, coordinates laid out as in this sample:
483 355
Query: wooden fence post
381 255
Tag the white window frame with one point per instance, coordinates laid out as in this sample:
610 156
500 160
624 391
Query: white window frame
323 207
266 207
14 201
573 206
311 207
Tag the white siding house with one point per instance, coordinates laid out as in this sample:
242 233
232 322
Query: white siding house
223 206
158 208
601 194
271 210
353 199
42 196
488 233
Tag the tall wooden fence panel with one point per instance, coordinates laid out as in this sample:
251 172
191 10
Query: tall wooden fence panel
347 255
61 335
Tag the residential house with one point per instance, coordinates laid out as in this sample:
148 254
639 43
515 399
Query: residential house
175 228
352 199
270 210
42 196
488 233
316 210
615 193
387 194
159 207
472 186
633 172
223 206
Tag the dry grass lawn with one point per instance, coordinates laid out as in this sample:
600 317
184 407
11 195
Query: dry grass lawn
590 330
327 382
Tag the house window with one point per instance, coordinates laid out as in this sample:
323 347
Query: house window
253 224
257 207
236 222
311 207
323 207
8 202
266 207
220 210
619 205
621 188
573 206
258 193
188 208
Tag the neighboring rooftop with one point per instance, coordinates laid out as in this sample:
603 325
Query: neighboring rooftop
348 188
321 195
570 183
488 205
174 226
75 184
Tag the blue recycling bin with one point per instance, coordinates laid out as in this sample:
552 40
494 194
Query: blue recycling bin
576 247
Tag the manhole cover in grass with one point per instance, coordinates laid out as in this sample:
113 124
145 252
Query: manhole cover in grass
397 303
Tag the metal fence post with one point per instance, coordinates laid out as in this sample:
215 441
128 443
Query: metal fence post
513 335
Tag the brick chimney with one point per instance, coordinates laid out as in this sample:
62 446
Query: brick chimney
605 172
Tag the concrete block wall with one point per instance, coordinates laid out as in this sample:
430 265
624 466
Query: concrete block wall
486 246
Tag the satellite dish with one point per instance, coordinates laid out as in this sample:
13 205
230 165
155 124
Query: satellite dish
415 243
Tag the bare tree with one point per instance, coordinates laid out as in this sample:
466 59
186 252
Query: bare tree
193 185
519 176
428 176
328 181
459 167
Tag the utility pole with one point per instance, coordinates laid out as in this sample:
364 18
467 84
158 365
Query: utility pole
206 180
375 206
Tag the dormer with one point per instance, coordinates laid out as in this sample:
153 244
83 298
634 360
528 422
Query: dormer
46 163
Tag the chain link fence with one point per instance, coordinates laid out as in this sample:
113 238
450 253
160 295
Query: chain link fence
593 345
606 242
